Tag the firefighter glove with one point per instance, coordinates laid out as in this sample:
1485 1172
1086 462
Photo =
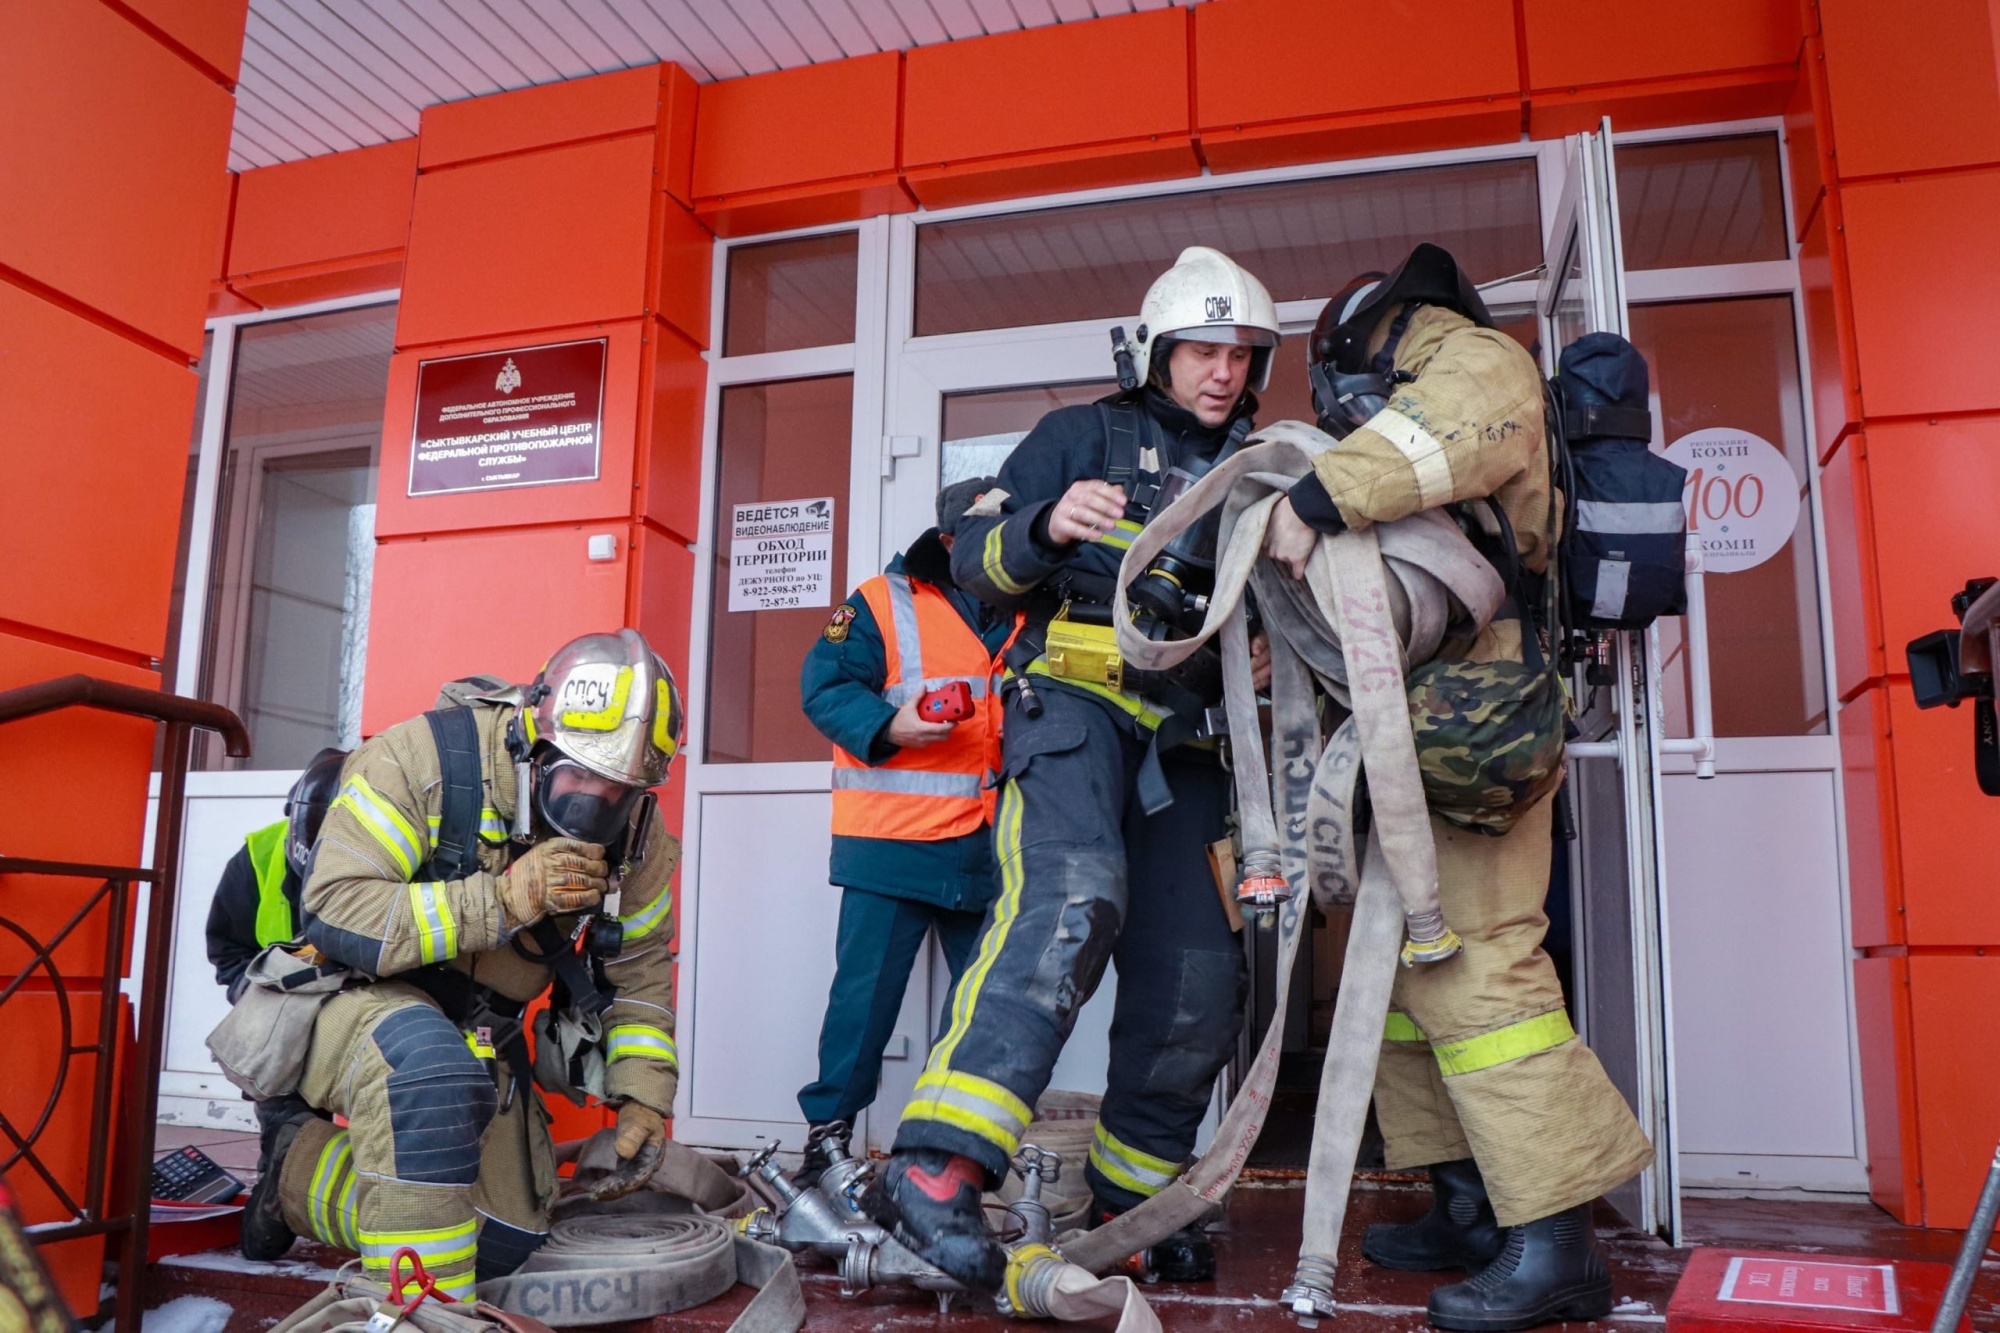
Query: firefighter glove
642 1137
559 875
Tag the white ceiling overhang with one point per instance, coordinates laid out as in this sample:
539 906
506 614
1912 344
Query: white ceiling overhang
323 76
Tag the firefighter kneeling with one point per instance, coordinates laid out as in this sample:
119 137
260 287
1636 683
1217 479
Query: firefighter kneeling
464 850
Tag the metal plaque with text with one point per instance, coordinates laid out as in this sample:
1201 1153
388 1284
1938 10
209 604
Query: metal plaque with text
532 416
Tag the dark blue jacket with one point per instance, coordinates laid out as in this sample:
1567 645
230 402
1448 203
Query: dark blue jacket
840 687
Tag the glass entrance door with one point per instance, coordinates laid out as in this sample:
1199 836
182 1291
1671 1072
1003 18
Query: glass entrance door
1616 871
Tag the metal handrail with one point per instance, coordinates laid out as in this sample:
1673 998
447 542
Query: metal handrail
181 717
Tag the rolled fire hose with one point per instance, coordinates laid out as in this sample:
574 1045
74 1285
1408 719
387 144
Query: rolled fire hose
1373 602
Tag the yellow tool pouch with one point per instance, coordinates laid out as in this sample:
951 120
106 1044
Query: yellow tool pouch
1084 653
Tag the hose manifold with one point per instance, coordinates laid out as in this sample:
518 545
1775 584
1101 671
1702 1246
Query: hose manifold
1430 939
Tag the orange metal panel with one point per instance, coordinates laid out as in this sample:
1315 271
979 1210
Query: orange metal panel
340 206
1022 174
1830 355
609 499
1808 136
784 207
1956 1054
1874 880
1932 490
499 602
687 262
662 596
1888 1085
529 242
669 479
1651 103
823 123
1124 84
316 282
1911 96
1254 62
99 430
679 97
1946 828
89 769
1364 134
1926 284
211 30
540 117
114 155
1574 43
1850 567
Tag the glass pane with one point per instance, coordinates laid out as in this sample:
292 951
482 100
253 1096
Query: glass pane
295 533
1701 201
1303 239
1734 364
982 427
784 441
789 294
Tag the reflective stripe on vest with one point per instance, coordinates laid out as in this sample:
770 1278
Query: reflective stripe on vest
267 858
932 792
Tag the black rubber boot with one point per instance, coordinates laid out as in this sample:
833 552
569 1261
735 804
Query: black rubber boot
1458 1231
1549 1269
1186 1256
930 1201
817 1160
265 1234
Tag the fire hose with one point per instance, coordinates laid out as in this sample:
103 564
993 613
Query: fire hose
1373 602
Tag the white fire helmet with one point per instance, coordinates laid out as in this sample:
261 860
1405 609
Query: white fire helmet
1208 297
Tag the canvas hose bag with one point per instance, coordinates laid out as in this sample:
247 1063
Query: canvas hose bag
1374 603
261 1042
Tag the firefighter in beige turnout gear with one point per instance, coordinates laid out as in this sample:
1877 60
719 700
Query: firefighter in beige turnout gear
446 1149
1481 1078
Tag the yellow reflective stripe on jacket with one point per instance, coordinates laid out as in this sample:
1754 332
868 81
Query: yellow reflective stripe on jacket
990 561
1529 1036
330 1195
641 1041
1127 1167
1401 1027
491 826
973 1104
437 929
436 1247
385 822
648 918
1120 536
266 846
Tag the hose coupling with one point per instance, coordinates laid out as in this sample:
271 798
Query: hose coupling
1262 887
1310 1297
1031 1275
1430 939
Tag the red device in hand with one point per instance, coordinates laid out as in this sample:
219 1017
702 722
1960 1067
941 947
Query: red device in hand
949 702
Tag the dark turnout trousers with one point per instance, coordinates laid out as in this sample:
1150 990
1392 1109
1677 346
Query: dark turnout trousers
1086 878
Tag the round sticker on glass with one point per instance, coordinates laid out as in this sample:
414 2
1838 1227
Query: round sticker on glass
1741 495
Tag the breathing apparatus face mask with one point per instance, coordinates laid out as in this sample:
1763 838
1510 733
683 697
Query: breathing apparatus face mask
577 803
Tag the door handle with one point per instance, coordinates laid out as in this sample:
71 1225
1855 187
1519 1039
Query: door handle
899 446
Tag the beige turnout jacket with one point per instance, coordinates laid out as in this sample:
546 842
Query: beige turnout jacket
366 907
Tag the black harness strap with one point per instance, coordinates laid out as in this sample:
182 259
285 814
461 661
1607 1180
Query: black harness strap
457 852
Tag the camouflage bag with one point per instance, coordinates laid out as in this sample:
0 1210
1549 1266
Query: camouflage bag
1489 739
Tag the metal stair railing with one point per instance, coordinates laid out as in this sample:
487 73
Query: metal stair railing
96 1213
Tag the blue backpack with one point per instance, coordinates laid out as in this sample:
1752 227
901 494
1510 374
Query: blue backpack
1621 556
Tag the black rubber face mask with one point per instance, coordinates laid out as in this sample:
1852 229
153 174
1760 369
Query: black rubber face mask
577 803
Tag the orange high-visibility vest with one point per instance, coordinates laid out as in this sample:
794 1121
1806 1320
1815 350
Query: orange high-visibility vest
931 792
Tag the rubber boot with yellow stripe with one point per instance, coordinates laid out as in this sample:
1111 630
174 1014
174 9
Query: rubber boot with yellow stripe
266 1234
930 1200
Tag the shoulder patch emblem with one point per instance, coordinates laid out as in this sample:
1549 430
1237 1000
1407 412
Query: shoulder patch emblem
836 626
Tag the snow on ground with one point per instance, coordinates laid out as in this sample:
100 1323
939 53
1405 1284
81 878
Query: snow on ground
188 1314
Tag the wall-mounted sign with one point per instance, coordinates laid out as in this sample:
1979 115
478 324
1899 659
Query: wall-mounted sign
781 555
1741 495
533 416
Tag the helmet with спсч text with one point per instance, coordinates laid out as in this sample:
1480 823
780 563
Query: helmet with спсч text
609 703
1207 297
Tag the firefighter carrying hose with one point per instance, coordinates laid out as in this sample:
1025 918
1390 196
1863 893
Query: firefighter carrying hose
467 850
1109 797
1482 1079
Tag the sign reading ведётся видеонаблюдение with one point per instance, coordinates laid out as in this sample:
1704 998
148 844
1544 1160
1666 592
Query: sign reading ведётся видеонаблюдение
531 416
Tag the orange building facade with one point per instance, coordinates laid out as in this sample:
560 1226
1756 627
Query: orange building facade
589 209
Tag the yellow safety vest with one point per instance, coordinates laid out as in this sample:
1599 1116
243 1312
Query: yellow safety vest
267 858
